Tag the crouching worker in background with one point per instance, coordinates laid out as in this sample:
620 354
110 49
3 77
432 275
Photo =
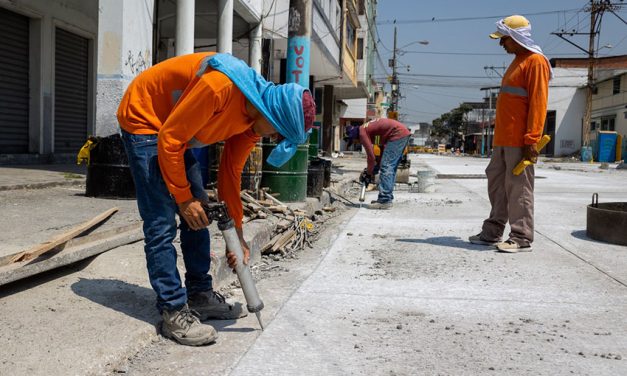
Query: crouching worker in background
192 101
394 137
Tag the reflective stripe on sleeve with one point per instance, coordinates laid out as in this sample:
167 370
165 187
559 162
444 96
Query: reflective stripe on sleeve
514 90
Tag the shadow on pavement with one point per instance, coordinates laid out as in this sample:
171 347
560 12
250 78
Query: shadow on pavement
581 235
223 326
449 241
45 277
133 300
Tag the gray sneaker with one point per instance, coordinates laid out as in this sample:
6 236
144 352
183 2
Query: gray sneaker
380 205
211 305
478 239
184 327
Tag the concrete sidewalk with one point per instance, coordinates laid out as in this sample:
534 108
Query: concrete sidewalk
41 176
88 317
403 292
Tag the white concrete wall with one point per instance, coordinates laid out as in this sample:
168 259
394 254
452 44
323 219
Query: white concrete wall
249 10
605 103
356 108
125 50
568 101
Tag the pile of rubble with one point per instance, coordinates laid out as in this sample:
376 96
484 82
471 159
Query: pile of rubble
294 229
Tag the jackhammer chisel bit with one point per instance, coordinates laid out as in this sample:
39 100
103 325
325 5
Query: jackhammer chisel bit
219 213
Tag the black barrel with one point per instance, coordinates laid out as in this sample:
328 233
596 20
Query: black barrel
327 164
108 174
315 177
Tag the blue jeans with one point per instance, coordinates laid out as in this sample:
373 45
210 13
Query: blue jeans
158 211
390 159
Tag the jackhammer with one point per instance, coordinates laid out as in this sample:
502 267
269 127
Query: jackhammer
365 179
217 211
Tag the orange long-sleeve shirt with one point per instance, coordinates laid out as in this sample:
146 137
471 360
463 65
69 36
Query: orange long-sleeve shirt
522 102
183 108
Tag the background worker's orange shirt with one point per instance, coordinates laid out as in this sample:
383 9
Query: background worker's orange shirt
522 102
186 109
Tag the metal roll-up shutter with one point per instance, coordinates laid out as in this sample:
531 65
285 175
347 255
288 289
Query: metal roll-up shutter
71 91
14 94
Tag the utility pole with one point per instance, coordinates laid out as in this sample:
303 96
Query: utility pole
393 109
589 90
596 9
489 149
299 42
489 133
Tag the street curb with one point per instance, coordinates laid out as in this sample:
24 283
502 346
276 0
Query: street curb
70 183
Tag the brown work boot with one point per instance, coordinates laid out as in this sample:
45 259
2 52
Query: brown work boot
376 205
184 327
211 305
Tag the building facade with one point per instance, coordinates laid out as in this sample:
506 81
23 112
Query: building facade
68 62
48 59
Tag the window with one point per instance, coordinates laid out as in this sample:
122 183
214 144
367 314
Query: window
616 85
350 36
593 125
360 48
361 7
608 123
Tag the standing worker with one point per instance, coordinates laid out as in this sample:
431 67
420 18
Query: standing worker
192 101
520 114
394 137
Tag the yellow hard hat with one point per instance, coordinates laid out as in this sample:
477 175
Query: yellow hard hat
513 22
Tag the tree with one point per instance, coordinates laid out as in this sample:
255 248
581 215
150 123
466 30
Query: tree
440 126
451 123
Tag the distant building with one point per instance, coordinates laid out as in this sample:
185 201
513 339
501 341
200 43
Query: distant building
420 135
567 101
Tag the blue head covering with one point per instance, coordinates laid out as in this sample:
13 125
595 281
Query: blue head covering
282 105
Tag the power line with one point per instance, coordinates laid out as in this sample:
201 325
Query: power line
434 19
439 75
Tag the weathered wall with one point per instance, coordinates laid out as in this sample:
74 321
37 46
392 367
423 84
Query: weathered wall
125 50
568 101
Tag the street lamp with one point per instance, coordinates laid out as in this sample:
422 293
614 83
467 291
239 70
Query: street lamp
393 109
401 53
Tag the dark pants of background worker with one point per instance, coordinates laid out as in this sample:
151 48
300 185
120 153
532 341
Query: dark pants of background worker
158 211
390 159
511 197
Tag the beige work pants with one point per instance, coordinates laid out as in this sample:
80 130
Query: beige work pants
511 197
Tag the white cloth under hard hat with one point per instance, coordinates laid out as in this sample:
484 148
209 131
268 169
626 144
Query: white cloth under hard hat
522 36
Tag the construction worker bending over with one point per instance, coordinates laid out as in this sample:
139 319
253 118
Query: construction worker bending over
520 114
192 101
394 137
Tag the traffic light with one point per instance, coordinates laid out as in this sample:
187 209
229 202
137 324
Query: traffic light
393 115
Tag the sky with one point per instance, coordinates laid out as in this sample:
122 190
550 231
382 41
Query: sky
460 58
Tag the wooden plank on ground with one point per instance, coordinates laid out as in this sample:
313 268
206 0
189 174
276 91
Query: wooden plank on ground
76 249
62 238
